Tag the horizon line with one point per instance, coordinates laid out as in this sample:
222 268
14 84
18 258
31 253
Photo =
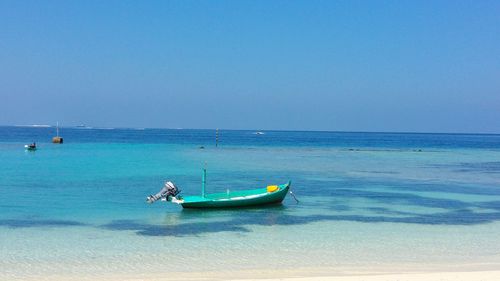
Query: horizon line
263 130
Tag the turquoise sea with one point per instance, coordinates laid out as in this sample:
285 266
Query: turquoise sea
384 202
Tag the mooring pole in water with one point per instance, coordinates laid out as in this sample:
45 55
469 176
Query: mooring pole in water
216 137
203 181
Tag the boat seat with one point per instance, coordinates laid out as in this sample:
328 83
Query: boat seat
272 188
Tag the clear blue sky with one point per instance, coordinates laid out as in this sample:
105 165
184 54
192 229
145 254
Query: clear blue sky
425 66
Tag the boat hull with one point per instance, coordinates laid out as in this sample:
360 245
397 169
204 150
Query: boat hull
256 197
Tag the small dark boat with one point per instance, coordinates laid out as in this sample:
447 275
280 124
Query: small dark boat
30 147
57 138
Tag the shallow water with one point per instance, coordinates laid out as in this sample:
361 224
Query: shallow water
366 200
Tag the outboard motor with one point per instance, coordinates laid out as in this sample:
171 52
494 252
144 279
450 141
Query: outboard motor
168 191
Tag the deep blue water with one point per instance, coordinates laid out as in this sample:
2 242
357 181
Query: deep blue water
249 138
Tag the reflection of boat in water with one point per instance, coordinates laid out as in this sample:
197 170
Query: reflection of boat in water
272 194
30 147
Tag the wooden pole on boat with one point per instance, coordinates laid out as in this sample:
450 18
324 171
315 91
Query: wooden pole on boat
57 138
203 181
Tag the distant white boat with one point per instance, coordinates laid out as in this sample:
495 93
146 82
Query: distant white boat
259 133
83 126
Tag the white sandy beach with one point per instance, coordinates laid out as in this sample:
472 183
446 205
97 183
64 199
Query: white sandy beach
437 276
434 276
491 275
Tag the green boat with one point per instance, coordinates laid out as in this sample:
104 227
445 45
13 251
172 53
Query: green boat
272 194
230 199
